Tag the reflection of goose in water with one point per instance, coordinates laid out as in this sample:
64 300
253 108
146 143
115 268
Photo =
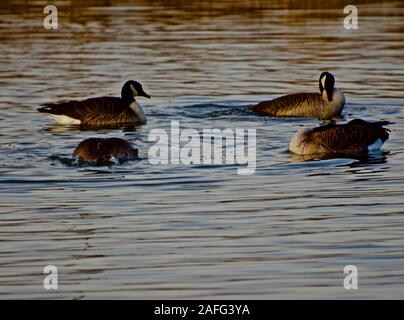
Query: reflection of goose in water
324 105
101 110
373 157
99 150
57 129
355 138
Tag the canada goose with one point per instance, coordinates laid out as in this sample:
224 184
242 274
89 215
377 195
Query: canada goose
356 137
101 110
324 105
99 150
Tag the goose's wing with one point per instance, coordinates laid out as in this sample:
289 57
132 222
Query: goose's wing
122 149
289 105
65 108
86 108
353 137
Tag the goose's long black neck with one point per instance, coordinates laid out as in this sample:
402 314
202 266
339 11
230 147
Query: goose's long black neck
127 99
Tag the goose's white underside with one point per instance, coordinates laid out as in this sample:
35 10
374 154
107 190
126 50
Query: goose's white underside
295 143
62 119
138 111
376 145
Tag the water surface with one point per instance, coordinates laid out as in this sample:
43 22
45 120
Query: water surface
138 230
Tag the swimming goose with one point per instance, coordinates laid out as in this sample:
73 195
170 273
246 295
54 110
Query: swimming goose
101 110
324 105
99 150
356 137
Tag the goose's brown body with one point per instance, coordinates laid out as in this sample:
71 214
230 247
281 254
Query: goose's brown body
98 150
298 104
95 111
308 105
353 138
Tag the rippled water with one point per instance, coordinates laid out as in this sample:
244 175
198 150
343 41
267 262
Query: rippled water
138 230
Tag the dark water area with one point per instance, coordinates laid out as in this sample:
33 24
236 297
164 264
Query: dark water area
140 230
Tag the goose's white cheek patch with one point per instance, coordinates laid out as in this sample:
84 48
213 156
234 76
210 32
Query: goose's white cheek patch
61 119
323 81
134 91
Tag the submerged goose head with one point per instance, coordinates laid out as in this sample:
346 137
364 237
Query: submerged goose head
132 89
98 150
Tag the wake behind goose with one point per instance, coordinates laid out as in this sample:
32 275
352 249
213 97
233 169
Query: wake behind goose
101 110
324 105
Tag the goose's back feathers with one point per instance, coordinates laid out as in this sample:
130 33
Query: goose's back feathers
354 137
98 150
293 105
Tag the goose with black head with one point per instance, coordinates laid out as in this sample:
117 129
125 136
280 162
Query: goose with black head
324 105
100 111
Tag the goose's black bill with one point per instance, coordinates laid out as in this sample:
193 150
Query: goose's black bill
144 94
